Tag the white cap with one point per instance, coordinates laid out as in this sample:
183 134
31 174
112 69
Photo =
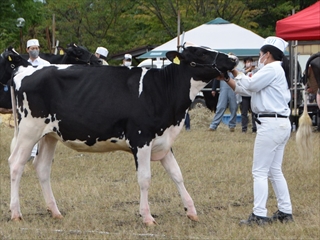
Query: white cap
33 42
102 51
276 42
127 56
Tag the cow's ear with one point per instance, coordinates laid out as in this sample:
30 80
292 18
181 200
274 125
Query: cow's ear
174 57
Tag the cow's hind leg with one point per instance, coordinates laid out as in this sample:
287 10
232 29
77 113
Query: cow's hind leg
21 147
170 164
144 180
42 165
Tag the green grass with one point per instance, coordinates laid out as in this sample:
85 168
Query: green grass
98 194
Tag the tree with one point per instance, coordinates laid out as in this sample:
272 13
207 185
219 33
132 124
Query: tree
34 14
121 25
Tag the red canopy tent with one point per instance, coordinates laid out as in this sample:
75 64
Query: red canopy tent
304 25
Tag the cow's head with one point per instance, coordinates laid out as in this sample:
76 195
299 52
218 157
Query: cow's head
9 60
312 73
80 55
207 63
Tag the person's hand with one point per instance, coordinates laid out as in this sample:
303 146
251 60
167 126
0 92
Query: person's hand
310 90
213 93
234 72
220 77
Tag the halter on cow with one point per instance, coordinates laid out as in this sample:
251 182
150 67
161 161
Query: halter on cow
105 108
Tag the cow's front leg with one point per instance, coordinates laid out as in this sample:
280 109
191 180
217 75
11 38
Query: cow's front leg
144 179
170 164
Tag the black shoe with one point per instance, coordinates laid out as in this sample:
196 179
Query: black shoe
282 217
254 219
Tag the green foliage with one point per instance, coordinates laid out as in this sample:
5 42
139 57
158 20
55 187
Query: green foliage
34 13
121 25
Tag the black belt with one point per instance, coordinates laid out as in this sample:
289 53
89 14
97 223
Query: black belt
270 115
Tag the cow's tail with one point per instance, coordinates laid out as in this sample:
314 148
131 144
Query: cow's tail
304 133
14 112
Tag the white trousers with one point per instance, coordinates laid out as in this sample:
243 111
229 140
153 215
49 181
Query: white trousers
272 136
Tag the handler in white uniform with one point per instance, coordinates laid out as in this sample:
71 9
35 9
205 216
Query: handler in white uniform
270 95
33 49
102 54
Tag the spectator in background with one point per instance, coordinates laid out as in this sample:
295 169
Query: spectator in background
245 105
102 54
227 98
127 60
33 49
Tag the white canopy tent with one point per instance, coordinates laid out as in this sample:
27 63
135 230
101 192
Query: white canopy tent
217 34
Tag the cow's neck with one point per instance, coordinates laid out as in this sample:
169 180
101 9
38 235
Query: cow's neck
196 87
180 80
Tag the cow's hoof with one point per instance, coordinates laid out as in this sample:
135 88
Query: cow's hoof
59 216
55 216
17 219
193 217
151 223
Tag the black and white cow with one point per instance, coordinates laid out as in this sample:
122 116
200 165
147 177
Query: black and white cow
105 108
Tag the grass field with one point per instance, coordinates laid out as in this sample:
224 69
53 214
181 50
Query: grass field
98 194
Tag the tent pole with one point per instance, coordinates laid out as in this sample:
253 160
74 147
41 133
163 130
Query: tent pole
295 49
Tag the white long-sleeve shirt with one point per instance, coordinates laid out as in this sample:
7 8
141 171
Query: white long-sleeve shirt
268 89
39 61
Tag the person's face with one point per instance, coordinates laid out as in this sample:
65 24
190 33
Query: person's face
33 51
248 63
263 56
127 62
97 55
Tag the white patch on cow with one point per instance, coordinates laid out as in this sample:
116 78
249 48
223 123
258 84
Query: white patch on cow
139 131
35 127
144 71
28 71
62 66
110 145
195 88
161 145
24 72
